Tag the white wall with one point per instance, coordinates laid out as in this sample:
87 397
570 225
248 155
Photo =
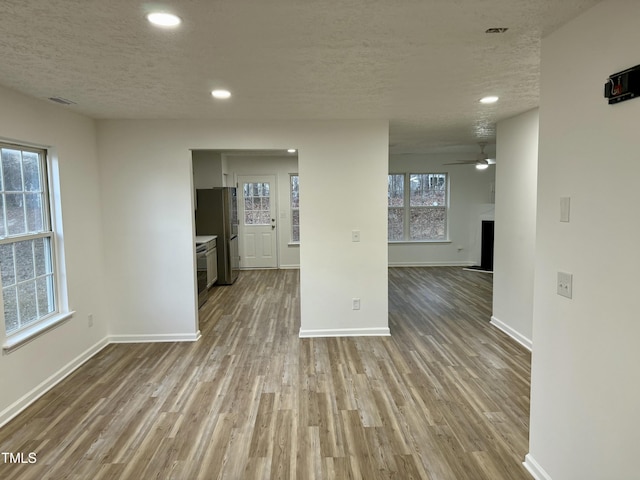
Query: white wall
585 389
148 220
471 201
282 168
334 270
25 373
515 227
146 178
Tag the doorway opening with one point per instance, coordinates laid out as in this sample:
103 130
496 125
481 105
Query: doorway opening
268 215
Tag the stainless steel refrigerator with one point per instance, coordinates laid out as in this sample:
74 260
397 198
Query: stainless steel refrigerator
217 214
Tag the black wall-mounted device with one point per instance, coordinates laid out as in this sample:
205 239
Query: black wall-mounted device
623 85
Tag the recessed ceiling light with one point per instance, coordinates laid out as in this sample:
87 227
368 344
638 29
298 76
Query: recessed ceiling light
221 93
292 150
490 99
162 19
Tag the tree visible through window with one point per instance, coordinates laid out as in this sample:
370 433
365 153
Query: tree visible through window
418 205
295 208
257 204
26 238
396 207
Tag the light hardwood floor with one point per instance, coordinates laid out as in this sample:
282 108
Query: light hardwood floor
445 397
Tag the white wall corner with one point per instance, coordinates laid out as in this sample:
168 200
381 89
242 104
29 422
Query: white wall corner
535 469
517 336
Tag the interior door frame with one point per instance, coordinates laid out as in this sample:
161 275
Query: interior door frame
272 178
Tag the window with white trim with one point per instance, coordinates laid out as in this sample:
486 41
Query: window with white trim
294 183
418 207
26 238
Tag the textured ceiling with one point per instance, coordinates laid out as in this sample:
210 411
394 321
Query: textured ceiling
422 64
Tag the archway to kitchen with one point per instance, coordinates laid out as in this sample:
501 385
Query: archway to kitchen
266 183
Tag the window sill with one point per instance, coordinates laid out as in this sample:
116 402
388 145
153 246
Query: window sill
23 337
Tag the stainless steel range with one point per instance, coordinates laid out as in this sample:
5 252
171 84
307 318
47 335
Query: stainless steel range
207 265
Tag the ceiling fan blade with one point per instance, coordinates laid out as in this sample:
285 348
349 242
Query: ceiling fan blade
465 162
482 160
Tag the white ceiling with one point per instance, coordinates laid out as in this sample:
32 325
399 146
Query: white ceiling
422 64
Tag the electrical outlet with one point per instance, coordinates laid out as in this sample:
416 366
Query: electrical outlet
565 284
355 235
355 304
90 319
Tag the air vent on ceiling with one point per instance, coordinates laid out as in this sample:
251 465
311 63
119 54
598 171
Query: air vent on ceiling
496 30
62 101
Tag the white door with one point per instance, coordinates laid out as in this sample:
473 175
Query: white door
257 221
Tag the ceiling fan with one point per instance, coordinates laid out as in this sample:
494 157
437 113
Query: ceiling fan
481 162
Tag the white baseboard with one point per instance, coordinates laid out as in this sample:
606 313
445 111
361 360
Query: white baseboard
431 264
345 332
19 405
164 337
534 468
517 336
280 267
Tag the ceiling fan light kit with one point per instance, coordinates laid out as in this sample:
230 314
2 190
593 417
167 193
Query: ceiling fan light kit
481 162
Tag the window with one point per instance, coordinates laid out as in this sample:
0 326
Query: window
418 204
295 208
26 238
257 204
396 207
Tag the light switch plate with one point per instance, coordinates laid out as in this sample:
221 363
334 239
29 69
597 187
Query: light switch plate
355 235
565 284
565 207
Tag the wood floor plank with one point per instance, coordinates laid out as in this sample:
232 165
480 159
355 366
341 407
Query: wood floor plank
408 469
264 425
282 446
210 461
446 397
357 445
330 428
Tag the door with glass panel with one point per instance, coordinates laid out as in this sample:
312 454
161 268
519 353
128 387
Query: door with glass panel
257 210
